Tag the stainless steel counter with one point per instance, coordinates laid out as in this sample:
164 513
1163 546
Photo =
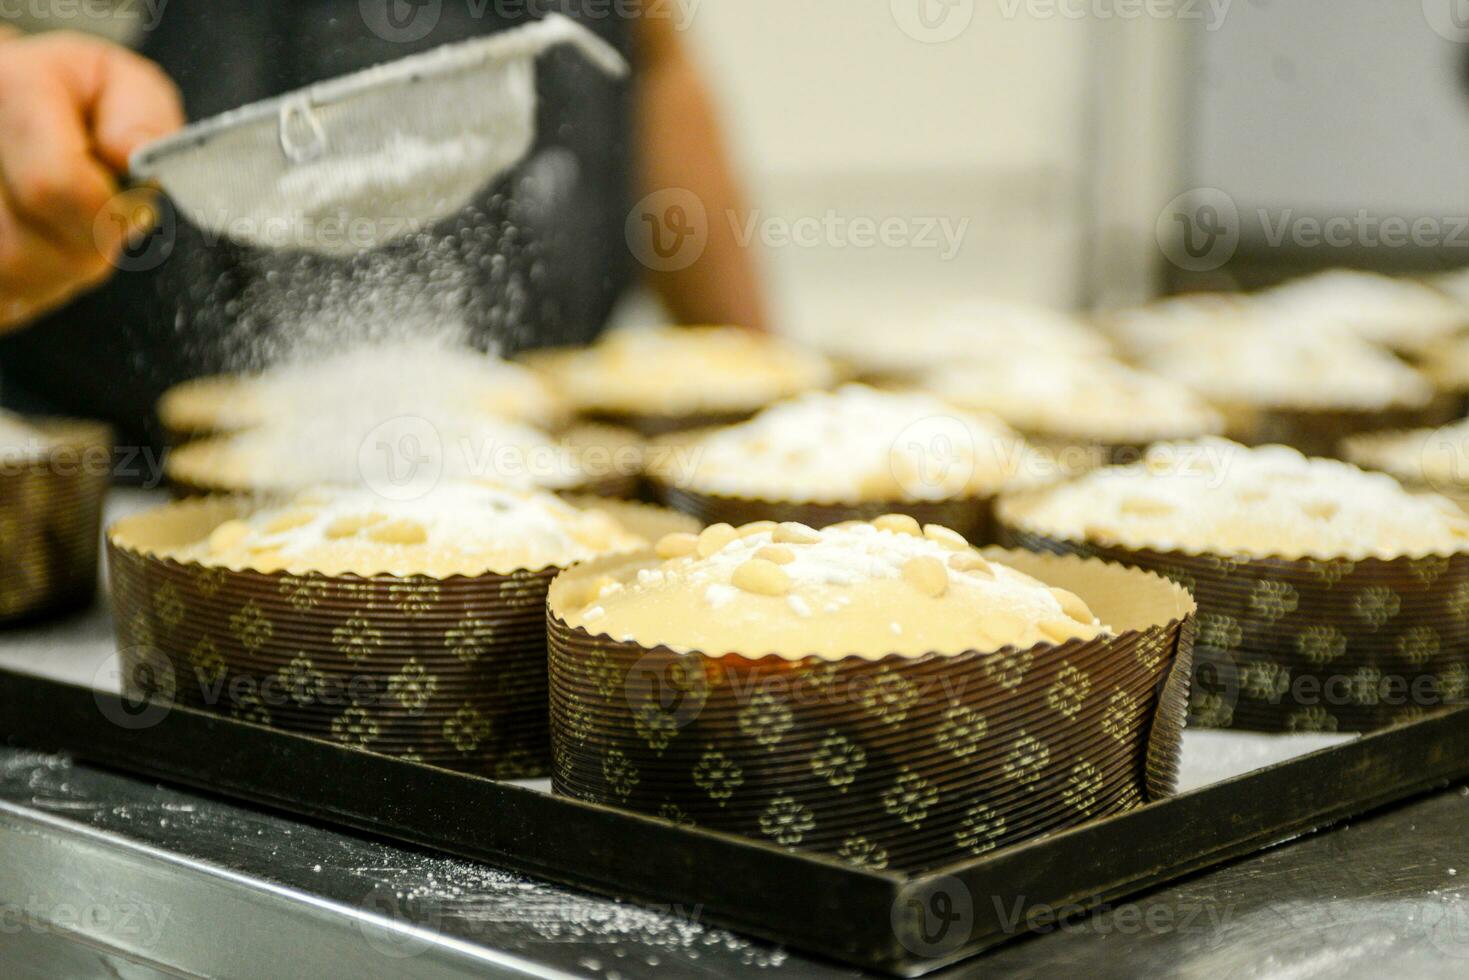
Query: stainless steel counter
106 875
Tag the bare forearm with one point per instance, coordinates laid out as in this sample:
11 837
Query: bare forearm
682 150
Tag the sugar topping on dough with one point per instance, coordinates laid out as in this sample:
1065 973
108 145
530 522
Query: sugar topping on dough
1273 363
1214 496
457 529
857 444
1068 395
684 370
865 589
367 450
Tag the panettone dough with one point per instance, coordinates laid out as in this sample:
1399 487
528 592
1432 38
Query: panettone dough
903 342
1096 399
460 528
1275 364
857 444
863 589
423 378
1216 497
351 449
1400 313
683 371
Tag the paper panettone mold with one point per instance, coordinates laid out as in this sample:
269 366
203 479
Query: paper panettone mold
901 762
449 670
51 496
1321 432
1304 644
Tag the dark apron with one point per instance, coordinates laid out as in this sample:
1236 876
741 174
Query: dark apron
540 258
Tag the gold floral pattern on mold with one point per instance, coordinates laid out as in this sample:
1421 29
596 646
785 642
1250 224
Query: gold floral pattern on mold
356 727
838 760
861 852
787 821
889 697
1084 783
470 639
357 639
619 773
981 829
910 798
1376 605
466 729
962 731
413 687
765 720
1069 691
1027 759
304 684
717 775
1321 645
168 604
302 592
251 627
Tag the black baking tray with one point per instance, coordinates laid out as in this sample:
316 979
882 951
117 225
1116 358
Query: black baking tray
899 924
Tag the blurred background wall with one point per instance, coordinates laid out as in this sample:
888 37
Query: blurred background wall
846 107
